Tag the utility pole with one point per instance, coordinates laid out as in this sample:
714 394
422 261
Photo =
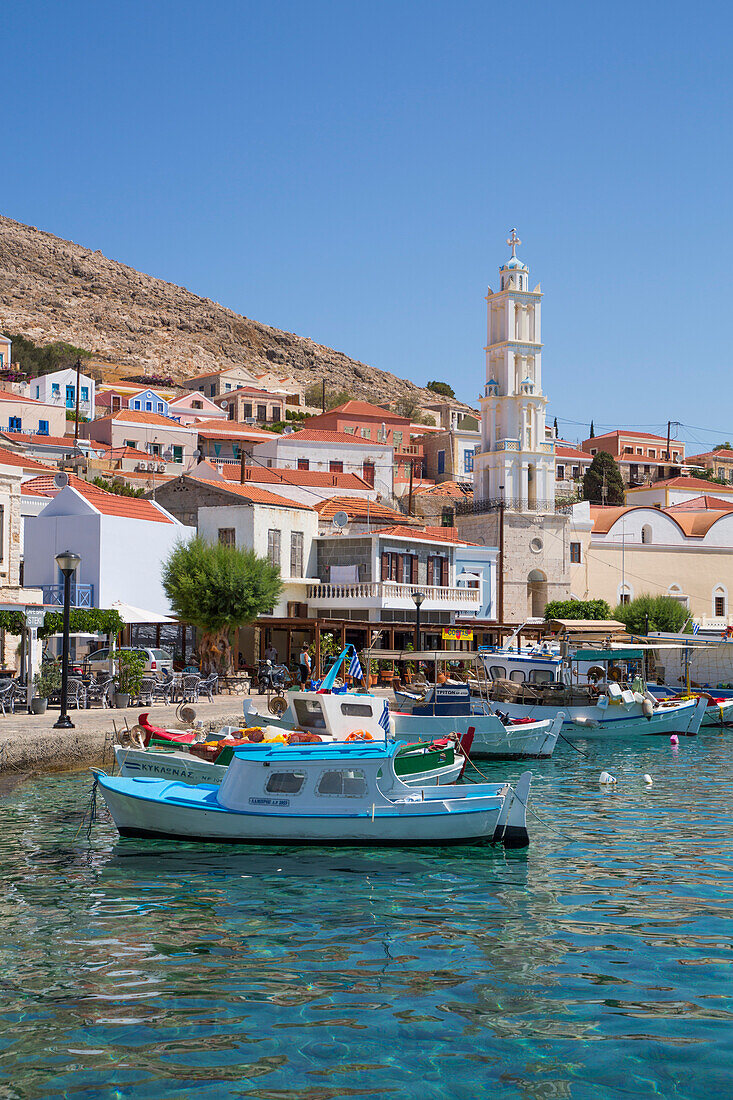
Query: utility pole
669 432
604 490
409 496
500 577
242 456
76 418
323 395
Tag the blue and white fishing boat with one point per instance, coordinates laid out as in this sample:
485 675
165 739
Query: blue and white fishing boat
602 694
318 794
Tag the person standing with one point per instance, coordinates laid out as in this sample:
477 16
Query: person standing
271 654
304 667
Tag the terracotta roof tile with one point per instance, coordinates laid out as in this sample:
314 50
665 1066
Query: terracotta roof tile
38 439
722 453
256 495
682 483
432 534
15 458
363 408
573 452
230 429
137 416
359 509
323 435
109 504
280 475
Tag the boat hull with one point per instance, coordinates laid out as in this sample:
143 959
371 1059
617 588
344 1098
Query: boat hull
491 740
156 808
614 721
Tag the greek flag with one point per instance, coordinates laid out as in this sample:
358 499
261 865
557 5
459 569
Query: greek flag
695 628
355 670
384 717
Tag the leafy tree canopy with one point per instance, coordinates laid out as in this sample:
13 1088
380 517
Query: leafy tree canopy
603 464
218 588
442 388
117 486
314 396
665 613
44 358
86 620
577 609
723 446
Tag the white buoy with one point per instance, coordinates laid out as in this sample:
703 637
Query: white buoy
605 779
648 780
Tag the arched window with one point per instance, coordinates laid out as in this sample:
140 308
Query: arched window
720 601
625 593
646 534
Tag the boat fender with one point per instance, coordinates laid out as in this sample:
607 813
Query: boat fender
647 709
648 780
589 723
674 739
605 779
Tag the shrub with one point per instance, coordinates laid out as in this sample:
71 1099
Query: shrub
577 609
603 463
664 613
442 388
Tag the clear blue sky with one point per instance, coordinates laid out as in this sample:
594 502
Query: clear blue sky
349 171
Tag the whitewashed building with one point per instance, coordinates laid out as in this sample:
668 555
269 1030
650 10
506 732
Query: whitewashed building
59 388
121 541
333 452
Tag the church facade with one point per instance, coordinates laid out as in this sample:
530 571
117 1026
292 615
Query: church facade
514 472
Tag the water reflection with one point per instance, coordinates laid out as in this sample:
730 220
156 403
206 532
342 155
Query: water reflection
601 955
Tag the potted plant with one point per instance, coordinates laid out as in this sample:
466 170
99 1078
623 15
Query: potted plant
45 682
131 665
386 672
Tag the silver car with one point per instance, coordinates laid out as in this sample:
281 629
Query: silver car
157 661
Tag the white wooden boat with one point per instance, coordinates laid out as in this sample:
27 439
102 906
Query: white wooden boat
318 794
719 708
451 707
613 702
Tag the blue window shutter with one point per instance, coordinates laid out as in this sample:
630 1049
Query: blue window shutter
441 462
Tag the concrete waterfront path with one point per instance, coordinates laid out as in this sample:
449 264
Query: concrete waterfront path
28 742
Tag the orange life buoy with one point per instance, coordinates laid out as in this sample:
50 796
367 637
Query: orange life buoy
360 735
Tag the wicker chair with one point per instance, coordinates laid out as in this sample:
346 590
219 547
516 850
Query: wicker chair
209 685
76 693
190 687
7 696
100 691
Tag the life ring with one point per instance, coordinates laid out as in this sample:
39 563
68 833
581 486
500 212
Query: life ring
360 735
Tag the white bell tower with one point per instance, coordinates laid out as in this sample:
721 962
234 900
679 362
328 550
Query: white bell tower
516 461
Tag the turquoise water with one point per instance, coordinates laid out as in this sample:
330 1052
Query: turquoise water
596 964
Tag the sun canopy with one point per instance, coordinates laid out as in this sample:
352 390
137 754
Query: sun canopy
130 614
608 655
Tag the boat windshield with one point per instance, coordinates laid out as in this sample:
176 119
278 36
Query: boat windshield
343 783
309 713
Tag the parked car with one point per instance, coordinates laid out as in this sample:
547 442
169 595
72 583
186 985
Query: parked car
158 661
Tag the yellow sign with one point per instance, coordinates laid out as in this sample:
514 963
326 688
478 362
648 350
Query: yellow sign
453 634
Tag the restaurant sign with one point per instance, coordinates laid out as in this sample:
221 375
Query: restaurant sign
454 634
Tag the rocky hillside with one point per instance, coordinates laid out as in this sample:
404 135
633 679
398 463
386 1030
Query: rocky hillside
51 289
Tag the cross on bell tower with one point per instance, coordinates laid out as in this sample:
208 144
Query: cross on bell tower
513 240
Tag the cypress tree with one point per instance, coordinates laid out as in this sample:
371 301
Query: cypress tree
603 463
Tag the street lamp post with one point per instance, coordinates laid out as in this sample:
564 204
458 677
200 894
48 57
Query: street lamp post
68 563
417 599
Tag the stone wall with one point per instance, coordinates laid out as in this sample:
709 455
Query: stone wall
534 544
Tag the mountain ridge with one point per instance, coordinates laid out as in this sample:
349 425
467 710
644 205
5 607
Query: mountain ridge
54 289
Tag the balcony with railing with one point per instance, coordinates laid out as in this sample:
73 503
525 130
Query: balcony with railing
506 445
479 507
415 449
391 594
82 595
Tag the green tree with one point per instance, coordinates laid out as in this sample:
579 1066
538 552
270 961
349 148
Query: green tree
44 358
218 588
442 388
577 609
314 396
664 613
592 430
117 486
603 468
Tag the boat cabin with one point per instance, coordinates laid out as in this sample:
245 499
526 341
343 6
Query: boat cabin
324 779
338 714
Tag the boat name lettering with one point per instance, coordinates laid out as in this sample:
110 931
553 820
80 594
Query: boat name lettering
269 801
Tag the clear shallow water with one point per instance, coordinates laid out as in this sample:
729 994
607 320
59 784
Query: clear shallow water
598 964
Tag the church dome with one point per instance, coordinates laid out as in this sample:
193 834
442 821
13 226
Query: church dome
515 262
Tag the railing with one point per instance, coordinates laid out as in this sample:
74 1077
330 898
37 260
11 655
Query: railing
408 449
548 448
82 595
391 590
507 445
511 504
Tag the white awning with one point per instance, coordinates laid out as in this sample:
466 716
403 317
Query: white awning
130 614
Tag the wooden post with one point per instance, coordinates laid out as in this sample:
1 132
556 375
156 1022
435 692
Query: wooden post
242 457
318 648
409 496
76 419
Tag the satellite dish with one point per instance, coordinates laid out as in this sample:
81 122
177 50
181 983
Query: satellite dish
61 480
340 520
287 430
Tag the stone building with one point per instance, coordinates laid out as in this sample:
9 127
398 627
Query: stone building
514 471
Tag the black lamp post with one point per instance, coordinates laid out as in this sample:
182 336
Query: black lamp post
68 563
417 599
